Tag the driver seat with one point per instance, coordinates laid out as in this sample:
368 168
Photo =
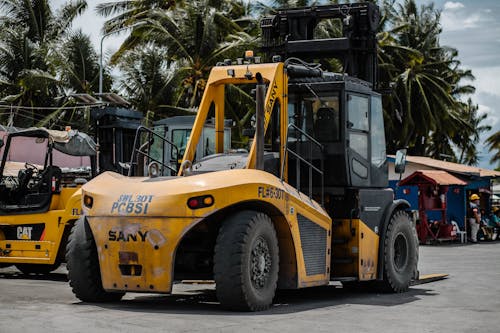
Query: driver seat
24 176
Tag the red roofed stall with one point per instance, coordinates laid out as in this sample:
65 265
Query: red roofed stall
433 187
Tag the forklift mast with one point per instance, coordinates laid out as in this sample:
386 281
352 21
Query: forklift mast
291 33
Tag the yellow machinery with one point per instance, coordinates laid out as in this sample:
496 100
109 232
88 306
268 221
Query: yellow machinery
37 207
306 205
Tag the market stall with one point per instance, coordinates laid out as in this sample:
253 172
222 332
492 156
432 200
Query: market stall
432 201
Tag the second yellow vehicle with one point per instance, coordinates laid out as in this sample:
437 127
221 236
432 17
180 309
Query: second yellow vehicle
38 202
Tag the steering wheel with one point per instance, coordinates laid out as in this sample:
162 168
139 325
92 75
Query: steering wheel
33 167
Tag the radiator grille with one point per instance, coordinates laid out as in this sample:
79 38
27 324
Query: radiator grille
313 239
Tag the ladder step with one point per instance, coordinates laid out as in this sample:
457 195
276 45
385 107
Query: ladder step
343 260
339 241
337 223
345 278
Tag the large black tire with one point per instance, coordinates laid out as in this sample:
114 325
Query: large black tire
83 266
400 247
246 262
39 269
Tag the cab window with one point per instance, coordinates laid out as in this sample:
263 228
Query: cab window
358 124
317 117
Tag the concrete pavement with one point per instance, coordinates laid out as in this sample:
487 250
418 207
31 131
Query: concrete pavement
468 301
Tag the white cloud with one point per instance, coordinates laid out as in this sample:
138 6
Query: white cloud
493 116
453 20
450 5
487 79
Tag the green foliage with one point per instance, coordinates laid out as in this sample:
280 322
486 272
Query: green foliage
172 45
147 80
41 60
493 143
193 36
425 112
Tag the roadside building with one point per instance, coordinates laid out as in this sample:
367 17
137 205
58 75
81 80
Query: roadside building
477 180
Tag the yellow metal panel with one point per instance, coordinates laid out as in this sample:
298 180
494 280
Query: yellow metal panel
146 242
43 251
167 212
219 76
275 92
368 252
362 246
28 252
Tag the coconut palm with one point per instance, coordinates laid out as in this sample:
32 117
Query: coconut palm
493 142
29 32
424 76
78 66
195 36
126 13
468 138
147 80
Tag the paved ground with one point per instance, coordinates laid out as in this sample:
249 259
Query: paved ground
468 301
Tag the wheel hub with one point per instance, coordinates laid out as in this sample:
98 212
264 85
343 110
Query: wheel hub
260 263
400 252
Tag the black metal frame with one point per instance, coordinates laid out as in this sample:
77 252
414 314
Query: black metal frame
290 33
300 159
139 150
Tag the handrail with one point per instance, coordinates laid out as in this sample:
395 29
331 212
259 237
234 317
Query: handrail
139 150
303 160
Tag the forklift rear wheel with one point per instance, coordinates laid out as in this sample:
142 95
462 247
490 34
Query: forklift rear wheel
400 253
83 266
246 262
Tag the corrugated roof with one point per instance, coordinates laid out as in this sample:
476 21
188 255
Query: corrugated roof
438 177
451 167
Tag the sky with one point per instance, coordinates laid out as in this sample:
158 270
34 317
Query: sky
470 26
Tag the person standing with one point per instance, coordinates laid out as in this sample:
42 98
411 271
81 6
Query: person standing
474 217
494 222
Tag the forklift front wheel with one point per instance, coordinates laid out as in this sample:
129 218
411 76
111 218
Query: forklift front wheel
400 253
246 262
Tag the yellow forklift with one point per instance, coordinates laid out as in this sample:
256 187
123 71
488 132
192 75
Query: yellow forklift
39 199
306 205
38 203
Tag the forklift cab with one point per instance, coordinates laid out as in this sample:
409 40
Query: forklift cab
345 117
29 174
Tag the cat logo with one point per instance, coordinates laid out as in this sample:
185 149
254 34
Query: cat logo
24 232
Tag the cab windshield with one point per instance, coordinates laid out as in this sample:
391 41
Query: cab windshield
316 115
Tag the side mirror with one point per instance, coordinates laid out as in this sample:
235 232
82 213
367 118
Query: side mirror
400 161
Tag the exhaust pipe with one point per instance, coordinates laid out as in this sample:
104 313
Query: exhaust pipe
260 93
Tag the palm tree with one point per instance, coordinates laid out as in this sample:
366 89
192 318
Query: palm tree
424 77
494 145
147 80
127 13
29 33
78 65
194 34
467 139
